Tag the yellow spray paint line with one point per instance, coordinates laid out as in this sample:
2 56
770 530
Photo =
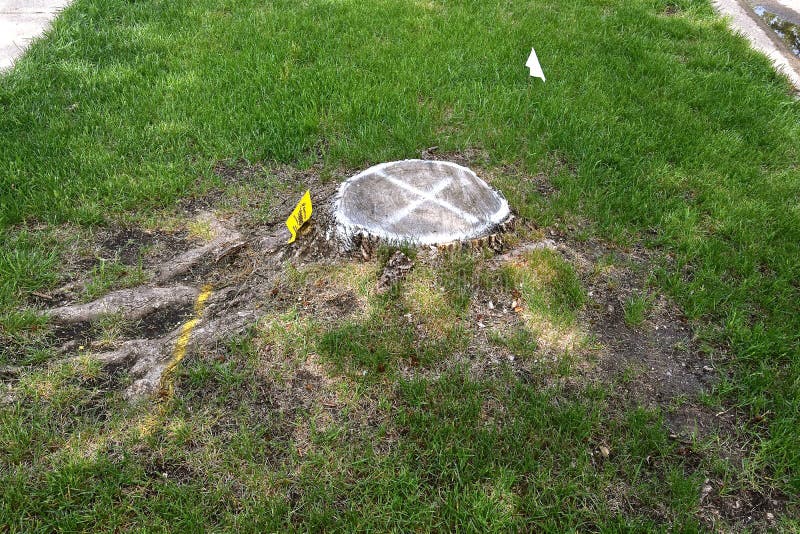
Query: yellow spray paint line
167 377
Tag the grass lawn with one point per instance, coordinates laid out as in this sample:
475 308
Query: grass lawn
662 152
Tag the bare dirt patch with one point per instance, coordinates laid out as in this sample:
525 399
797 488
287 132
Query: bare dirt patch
253 277
658 363
661 357
204 284
131 245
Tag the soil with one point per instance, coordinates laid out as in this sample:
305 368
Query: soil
241 261
160 322
130 245
657 364
662 352
72 336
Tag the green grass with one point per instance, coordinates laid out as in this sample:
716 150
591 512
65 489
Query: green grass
521 342
636 308
112 275
442 454
547 283
457 276
373 346
26 264
659 129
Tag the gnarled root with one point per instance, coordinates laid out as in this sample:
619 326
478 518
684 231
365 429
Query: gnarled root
148 359
218 314
225 242
132 304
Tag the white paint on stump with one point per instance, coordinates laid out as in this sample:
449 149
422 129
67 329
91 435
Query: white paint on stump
417 202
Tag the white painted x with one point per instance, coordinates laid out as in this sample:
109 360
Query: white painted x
425 196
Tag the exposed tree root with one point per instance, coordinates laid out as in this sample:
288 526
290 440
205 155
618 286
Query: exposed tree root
224 242
243 285
132 304
147 359
226 312
514 254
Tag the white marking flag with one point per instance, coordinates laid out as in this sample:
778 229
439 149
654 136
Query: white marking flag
533 64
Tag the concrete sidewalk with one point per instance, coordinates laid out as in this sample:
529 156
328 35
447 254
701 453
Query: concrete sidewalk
743 19
21 21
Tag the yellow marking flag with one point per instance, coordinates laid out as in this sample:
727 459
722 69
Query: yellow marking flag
300 215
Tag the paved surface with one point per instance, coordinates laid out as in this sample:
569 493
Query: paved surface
794 5
744 19
783 18
21 21
418 202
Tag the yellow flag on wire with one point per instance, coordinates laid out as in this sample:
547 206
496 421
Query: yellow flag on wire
299 216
